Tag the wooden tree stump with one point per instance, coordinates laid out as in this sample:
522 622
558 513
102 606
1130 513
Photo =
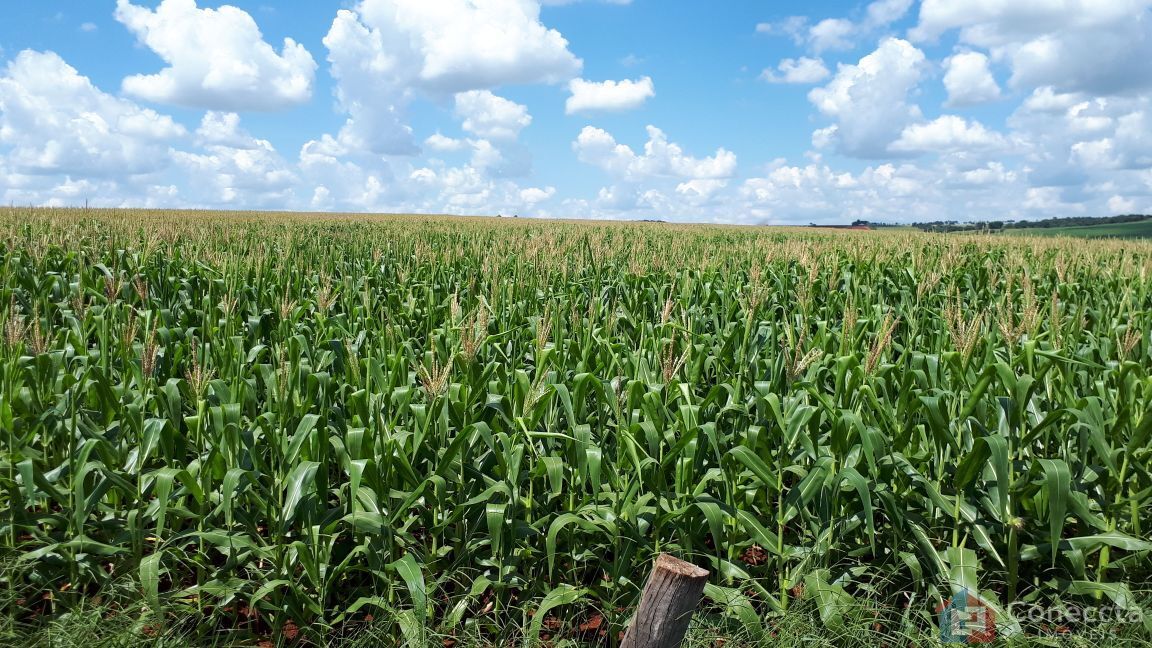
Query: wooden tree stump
666 607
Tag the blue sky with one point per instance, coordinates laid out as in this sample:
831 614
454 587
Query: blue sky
739 111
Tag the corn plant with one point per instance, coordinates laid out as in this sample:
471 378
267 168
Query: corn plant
286 423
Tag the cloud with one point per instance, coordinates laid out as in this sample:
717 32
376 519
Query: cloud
63 142
1095 154
1086 149
661 158
1121 205
886 192
662 178
558 3
438 142
386 53
833 34
968 80
506 159
1089 117
991 174
1049 200
794 27
496 122
1133 137
372 87
945 134
869 100
996 22
411 186
802 71
536 195
223 129
1103 61
217 59
701 190
460 45
590 96
1046 99
500 160
1072 45
235 169
1077 140
1071 138
54 121
491 117
885 12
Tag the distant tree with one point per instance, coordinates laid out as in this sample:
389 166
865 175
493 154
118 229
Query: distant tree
1073 221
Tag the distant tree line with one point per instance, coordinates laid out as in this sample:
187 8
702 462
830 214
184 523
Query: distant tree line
957 226
858 224
994 226
1078 221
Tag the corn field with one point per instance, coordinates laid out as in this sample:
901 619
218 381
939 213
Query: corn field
292 424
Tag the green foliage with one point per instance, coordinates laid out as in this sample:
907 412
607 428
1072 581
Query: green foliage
1141 229
276 425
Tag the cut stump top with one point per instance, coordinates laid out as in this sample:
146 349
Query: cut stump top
679 567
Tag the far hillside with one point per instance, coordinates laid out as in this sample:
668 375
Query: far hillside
1130 226
1131 230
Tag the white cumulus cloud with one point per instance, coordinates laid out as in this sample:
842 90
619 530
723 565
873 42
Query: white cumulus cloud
1073 45
838 33
1045 99
869 100
54 121
460 45
803 70
997 21
663 178
661 158
945 134
831 34
217 59
387 53
536 195
443 144
608 95
235 169
557 3
968 80
491 117
372 87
